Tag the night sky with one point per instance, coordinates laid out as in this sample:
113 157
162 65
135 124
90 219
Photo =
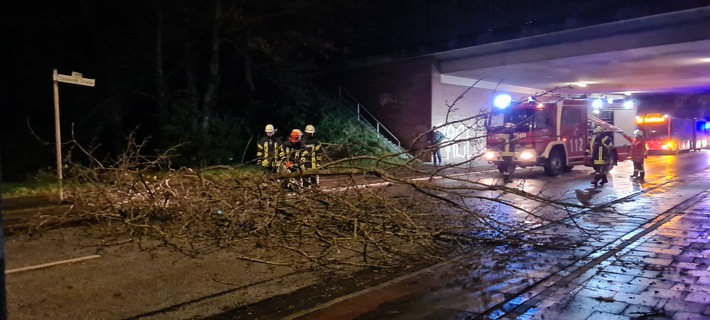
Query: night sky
37 39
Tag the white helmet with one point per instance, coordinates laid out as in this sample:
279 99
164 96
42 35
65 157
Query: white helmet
269 128
509 125
310 128
638 133
598 129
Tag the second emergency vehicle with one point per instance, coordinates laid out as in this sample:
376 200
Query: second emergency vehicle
555 134
669 134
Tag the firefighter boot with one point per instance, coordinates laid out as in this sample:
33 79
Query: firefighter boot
634 175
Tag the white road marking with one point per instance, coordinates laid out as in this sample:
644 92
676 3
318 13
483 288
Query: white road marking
51 264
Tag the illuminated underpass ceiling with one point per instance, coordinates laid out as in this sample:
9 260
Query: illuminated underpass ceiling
662 53
670 68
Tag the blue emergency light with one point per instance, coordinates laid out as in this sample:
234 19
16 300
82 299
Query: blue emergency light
502 101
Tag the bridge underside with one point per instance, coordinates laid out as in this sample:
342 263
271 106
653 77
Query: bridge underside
663 53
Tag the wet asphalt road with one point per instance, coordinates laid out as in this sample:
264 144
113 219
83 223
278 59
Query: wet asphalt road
480 286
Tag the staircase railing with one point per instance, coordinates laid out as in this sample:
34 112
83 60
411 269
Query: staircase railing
367 117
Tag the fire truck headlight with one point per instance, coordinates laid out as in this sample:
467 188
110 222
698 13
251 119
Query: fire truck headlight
527 155
490 155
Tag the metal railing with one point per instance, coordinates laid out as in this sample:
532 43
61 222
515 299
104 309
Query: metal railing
367 117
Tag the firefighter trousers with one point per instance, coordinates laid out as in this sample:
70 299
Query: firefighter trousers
600 174
639 172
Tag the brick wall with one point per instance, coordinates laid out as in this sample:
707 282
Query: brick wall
398 94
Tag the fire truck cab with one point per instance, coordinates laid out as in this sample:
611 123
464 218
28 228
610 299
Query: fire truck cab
554 135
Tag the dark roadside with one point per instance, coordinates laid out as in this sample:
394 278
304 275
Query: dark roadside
29 201
18 211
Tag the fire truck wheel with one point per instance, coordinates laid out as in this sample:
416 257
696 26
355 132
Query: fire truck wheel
555 163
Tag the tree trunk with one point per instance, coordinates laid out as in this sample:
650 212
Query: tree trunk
160 85
190 80
213 79
248 75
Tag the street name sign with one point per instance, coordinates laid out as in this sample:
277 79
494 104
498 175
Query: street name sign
76 80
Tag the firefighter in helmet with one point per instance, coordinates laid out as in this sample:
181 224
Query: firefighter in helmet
639 152
313 155
292 155
600 150
268 150
507 152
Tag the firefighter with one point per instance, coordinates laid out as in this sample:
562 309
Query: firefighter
639 152
314 155
599 149
268 150
508 152
292 157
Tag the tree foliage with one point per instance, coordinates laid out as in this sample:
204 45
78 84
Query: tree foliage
207 75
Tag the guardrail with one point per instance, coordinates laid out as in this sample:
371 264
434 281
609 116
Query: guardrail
367 117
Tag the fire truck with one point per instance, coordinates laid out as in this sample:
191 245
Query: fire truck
555 134
668 134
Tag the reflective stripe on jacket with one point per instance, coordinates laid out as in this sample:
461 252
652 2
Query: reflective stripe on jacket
314 152
294 153
268 148
600 149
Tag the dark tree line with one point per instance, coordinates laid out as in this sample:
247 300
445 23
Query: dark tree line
205 74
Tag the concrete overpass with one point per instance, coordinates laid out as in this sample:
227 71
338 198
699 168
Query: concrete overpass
667 52
662 53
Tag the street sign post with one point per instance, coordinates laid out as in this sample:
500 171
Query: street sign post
75 78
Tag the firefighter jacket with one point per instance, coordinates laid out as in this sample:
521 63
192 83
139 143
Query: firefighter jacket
507 147
293 154
600 146
268 151
313 152
639 149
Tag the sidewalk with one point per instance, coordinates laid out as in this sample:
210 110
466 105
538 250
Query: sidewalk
664 274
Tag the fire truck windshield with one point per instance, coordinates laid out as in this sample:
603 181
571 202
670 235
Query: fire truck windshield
522 118
654 132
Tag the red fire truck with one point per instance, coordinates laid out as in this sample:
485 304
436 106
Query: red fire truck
669 134
556 134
